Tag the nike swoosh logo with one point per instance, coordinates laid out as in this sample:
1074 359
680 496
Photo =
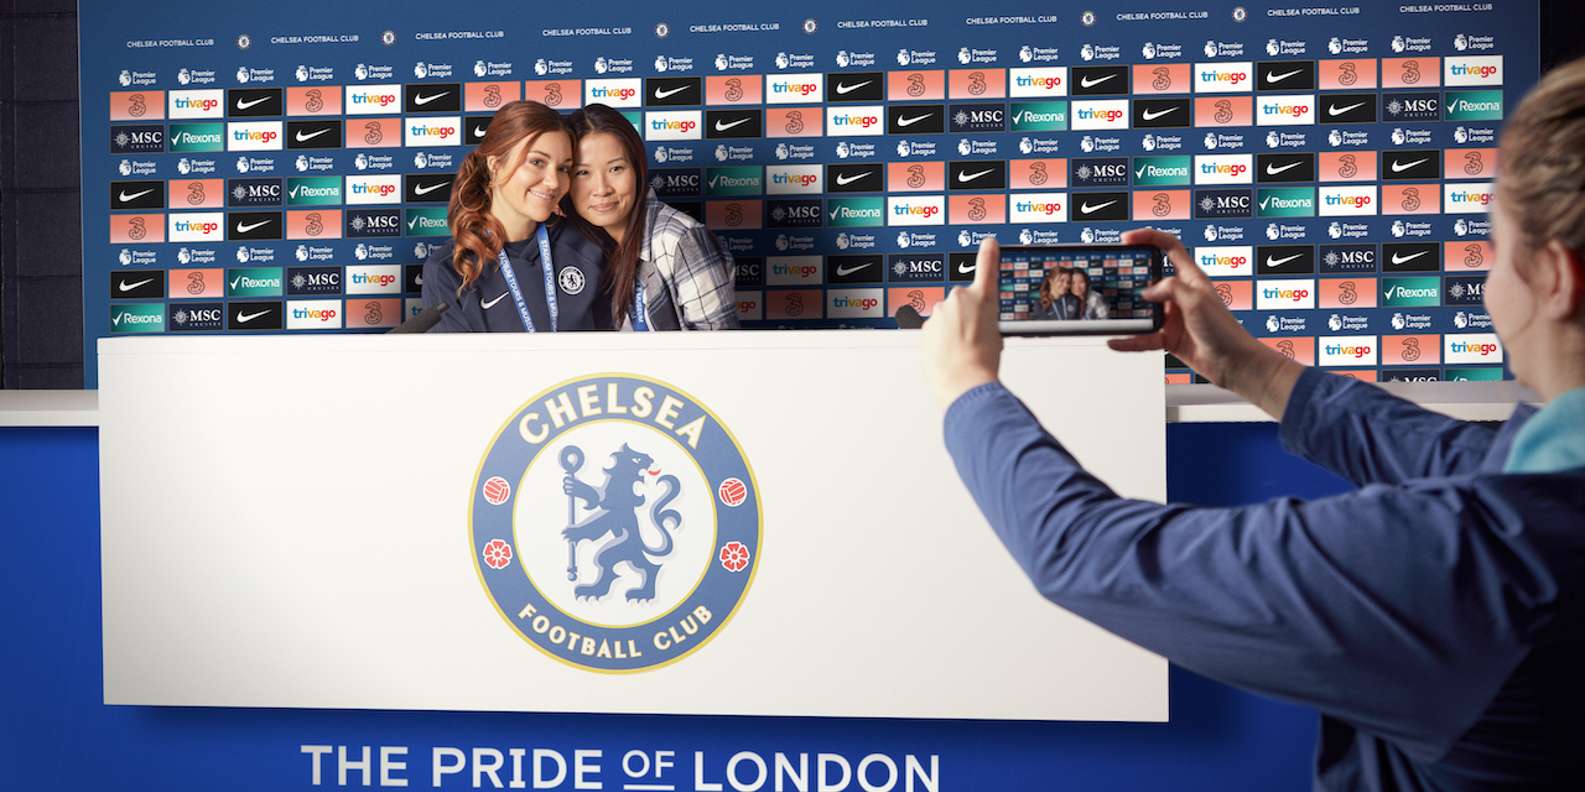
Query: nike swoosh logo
1400 167
965 178
244 318
1277 78
243 228
423 190
310 136
662 94
1086 208
422 100
124 197
1273 170
126 287
245 104
1089 83
1337 111
1277 262
844 179
965 269
844 270
1397 259
488 304
720 127
1151 116
478 132
843 88
902 122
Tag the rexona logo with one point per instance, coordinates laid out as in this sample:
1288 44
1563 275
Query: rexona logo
437 131
578 576
1039 208
197 104
1224 262
851 212
794 88
314 190
1051 81
1474 106
1223 77
865 120
1467 198
918 210
1348 350
373 189
673 125
1284 294
253 136
1286 202
792 179
1100 115
371 99
137 319
1040 116
426 221
1483 70
385 279
197 138
1423 292
621 92
196 227
1285 110
741 180
1471 348
1161 171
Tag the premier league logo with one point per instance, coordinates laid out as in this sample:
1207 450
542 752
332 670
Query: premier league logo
615 523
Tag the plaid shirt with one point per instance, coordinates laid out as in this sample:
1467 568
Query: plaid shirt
687 273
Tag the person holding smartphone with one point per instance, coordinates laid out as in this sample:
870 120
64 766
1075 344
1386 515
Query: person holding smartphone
512 264
1436 615
664 269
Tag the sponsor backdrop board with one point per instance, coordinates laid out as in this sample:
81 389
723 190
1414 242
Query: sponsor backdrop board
1331 165
620 528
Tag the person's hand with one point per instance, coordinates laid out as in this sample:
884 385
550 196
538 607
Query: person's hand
962 340
1196 325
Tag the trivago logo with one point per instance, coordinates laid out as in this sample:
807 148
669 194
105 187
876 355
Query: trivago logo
1052 81
197 104
1285 110
371 99
918 210
1039 208
1100 115
1225 169
439 131
1223 77
855 121
792 270
792 179
855 304
1467 198
1277 295
1348 350
1472 348
368 190
1223 262
1348 201
196 227
1482 70
621 92
253 136
386 279
794 88
313 314
673 125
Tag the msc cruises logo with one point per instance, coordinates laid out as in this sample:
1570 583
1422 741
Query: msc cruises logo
615 523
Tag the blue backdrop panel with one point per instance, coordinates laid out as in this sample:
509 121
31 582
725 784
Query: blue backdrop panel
57 735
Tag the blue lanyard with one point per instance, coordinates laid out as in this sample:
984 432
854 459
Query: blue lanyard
550 283
638 315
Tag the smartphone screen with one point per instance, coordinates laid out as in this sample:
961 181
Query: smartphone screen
1076 290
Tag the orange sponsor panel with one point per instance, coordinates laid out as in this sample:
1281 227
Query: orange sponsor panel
794 304
1479 163
487 97
734 215
1163 204
1470 256
987 83
1411 350
786 122
1346 293
197 284
373 311
197 193
916 176
1411 199
1165 78
922 298
374 133
128 229
1411 72
976 209
1300 349
1036 174
1224 111
906 86
1237 295
315 100
560 94
1348 74
313 224
1343 166
734 89
137 105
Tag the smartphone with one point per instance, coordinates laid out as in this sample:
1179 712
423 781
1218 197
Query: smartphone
1079 290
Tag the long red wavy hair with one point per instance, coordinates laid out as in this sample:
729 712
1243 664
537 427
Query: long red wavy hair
477 235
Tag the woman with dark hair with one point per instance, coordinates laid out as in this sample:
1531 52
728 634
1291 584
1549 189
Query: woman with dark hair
512 264
1091 304
664 270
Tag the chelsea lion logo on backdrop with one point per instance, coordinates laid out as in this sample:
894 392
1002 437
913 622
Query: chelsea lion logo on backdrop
615 523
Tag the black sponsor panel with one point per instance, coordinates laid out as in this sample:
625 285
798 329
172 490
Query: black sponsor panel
1411 257
1218 204
1347 109
474 128
1347 259
748 272
1098 81
855 87
855 178
855 269
916 119
427 187
137 285
1161 113
916 268
1411 165
412 278
432 98
1285 260
137 139
1280 168
253 102
313 134
1411 375
1463 290
673 92
197 316
253 225
728 124
1099 172
694 209
977 117
978 174
137 195
373 223
794 213
1399 107
313 280
254 316
253 192
1094 207
960 267
670 182
1285 76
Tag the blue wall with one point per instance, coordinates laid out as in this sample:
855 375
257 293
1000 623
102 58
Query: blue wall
55 733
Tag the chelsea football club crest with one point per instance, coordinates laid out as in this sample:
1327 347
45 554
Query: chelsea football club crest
615 523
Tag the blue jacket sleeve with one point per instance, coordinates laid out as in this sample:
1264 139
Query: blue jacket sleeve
440 286
1390 608
1367 435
